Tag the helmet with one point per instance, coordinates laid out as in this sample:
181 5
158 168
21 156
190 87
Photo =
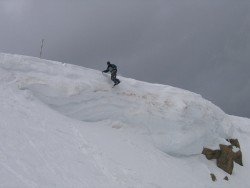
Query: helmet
108 63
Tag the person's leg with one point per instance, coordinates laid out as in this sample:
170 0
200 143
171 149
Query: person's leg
113 76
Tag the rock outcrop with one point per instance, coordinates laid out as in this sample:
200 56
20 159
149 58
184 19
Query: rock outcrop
234 142
226 159
211 154
226 155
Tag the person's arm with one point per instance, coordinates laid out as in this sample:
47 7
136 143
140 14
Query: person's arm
106 70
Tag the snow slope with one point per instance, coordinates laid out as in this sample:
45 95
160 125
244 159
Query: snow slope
65 126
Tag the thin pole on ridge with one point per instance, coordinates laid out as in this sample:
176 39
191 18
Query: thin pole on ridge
41 51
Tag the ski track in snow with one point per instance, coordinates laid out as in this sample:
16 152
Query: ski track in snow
65 126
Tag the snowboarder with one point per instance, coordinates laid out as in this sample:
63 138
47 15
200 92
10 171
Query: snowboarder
113 70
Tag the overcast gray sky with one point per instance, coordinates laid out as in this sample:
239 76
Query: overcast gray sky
199 45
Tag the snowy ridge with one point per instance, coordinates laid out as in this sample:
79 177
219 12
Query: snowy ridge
65 126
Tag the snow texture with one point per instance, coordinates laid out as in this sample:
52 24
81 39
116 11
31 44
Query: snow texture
65 126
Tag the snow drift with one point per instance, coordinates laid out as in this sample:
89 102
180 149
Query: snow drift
64 125
178 121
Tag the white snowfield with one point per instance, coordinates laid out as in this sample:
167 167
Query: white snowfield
64 126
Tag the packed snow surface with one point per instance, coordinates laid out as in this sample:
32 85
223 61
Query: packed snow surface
65 126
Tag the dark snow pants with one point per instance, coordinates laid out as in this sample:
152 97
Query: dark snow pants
113 76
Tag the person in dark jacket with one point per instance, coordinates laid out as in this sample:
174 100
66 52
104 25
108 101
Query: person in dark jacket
113 70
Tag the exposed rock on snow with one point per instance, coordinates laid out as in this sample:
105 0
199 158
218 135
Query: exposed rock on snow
226 159
238 157
213 177
234 142
225 155
211 154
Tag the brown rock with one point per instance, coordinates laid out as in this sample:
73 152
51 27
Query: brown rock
211 154
226 178
234 142
225 161
213 177
225 156
238 157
